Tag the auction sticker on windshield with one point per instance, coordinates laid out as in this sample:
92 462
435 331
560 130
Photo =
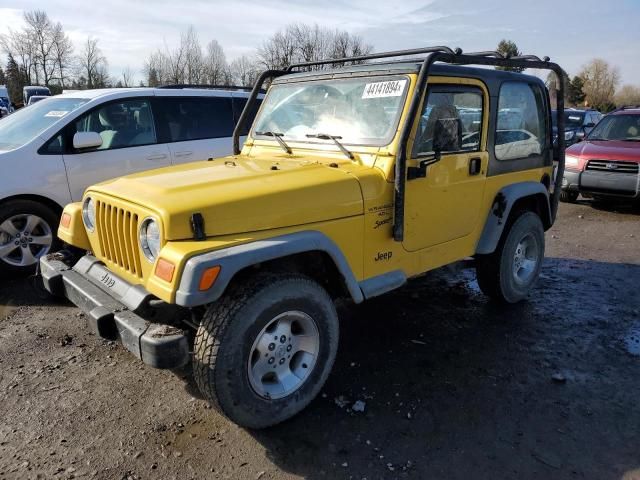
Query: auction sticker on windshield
56 113
391 88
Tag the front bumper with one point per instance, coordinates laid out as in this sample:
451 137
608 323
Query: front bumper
602 183
111 305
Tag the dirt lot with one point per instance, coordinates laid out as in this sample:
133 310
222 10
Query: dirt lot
455 387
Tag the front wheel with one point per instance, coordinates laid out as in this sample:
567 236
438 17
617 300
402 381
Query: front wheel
265 349
567 196
27 232
510 273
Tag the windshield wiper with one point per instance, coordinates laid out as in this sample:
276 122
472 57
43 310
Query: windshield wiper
597 139
335 138
278 136
631 139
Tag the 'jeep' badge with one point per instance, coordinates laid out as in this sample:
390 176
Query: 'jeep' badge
612 166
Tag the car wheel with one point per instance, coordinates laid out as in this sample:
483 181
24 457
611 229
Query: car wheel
27 232
568 196
264 350
510 273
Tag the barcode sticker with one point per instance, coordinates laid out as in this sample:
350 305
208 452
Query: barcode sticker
392 88
56 113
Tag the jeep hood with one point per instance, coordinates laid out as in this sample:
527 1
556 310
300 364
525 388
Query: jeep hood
240 194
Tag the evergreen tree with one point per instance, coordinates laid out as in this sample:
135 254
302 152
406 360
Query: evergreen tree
575 95
509 49
16 80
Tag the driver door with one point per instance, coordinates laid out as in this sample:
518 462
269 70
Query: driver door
444 205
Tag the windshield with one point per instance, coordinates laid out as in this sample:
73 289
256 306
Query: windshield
571 119
20 127
617 127
362 111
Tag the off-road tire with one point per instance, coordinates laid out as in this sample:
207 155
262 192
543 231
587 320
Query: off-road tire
568 196
28 207
495 271
226 334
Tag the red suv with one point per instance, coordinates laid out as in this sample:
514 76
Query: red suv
607 162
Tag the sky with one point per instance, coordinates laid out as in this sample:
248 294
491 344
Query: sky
571 33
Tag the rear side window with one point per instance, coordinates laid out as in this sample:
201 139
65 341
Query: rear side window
520 131
238 107
181 119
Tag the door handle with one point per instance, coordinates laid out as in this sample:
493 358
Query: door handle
475 165
160 156
182 154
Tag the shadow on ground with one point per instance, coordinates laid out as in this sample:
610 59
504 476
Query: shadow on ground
456 386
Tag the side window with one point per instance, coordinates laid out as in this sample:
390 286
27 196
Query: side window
55 146
520 129
238 107
181 119
450 121
122 124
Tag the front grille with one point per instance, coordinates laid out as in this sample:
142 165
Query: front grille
118 236
613 166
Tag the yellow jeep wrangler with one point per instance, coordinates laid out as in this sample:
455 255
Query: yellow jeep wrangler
351 181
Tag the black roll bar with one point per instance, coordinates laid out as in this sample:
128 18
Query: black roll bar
246 111
434 54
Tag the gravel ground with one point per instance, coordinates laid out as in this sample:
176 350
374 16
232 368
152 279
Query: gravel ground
448 385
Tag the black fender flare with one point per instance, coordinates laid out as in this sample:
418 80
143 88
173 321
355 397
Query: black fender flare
233 259
501 208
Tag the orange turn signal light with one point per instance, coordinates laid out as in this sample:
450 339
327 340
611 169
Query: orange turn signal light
65 221
164 270
209 277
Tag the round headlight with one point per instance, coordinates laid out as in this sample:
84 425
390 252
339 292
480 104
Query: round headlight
150 238
89 213
569 135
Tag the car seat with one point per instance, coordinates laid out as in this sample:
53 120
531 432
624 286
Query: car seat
443 111
108 129
144 125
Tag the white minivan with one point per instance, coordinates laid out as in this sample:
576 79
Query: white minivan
53 150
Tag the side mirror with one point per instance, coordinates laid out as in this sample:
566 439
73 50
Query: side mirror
84 140
447 135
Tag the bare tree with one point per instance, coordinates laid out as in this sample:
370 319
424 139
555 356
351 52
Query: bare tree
156 69
628 95
42 51
215 65
63 54
127 77
305 43
193 62
188 63
600 82
19 46
92 64
244 71
42 32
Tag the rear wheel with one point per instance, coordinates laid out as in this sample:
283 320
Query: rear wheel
510 273
27 232
265 349
568 196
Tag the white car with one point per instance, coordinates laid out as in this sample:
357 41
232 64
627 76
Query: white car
513 144
53 150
